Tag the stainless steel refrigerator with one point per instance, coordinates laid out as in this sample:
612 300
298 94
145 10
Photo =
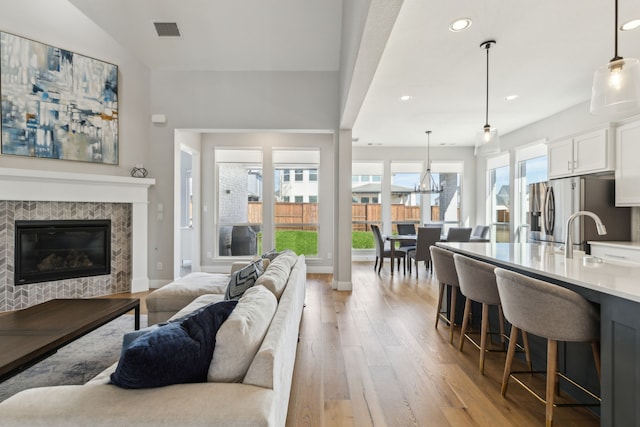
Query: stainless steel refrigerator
552 202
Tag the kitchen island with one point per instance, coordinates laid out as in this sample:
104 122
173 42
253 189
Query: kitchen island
614 286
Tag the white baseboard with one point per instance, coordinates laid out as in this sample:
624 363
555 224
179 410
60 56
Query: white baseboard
156 284
342 286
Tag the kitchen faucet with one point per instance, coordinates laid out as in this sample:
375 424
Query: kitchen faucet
568 243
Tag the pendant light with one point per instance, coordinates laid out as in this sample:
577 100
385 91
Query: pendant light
427 183
616 85
487 141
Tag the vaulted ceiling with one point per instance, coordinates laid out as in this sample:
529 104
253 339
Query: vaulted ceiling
545 52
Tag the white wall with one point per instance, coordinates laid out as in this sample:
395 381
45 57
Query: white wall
234 104
58 23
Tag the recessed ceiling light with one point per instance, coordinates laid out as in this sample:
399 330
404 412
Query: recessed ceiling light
460 25
630 25
511 97
406 97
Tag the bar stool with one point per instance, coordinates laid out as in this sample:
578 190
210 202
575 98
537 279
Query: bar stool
478 283
551 312
445 271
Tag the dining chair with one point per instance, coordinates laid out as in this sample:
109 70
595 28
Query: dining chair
480 233
427 236
383 252
459 234
406 229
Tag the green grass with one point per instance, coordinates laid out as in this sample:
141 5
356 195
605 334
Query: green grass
306 242
362 240
301 242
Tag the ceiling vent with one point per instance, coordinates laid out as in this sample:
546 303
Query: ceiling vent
167 29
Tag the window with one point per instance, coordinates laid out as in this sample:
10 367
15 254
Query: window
531 167
285 176
366 186
296 224
239 214
405 204
499 202
444 207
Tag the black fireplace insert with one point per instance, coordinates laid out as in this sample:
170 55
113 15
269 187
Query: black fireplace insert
61 249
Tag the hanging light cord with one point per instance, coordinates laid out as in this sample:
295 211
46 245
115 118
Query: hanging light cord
615 35
428 149
487 47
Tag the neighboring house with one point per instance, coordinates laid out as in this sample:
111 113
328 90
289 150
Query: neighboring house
298 185
370 193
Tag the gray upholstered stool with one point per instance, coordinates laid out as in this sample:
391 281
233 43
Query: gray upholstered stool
445 271
478 283
551 312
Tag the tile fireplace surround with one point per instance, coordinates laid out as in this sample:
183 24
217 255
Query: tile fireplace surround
44 195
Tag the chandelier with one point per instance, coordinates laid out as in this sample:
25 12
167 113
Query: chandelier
427 184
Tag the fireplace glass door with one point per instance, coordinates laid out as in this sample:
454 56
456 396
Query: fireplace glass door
62 249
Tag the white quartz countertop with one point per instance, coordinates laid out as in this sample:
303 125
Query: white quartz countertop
615 278
617 244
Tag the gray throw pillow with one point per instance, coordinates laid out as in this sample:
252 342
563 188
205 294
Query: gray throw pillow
242 280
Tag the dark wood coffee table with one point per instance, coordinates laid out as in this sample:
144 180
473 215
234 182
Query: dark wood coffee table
32 334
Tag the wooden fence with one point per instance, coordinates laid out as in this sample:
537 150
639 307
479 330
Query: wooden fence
287 214
362 215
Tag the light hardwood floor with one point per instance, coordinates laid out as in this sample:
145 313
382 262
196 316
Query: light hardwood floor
372 357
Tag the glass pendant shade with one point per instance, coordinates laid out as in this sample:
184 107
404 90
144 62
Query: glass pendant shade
616 87
487 142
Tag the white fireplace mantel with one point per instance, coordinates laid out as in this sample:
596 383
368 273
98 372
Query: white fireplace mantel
35 185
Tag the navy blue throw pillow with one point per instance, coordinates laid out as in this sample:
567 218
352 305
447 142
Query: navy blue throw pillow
178 352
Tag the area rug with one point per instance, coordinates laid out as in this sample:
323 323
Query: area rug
76 363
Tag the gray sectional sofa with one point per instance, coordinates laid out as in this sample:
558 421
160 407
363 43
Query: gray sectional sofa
259 398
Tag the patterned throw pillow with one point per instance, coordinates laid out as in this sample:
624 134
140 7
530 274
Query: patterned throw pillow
271 255
242 280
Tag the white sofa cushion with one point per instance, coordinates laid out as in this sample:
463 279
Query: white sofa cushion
277 273
241 335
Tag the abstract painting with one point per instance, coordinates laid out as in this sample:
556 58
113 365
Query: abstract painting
57 104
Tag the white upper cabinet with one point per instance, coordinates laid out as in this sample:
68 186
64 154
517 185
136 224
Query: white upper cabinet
628 164
581 154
